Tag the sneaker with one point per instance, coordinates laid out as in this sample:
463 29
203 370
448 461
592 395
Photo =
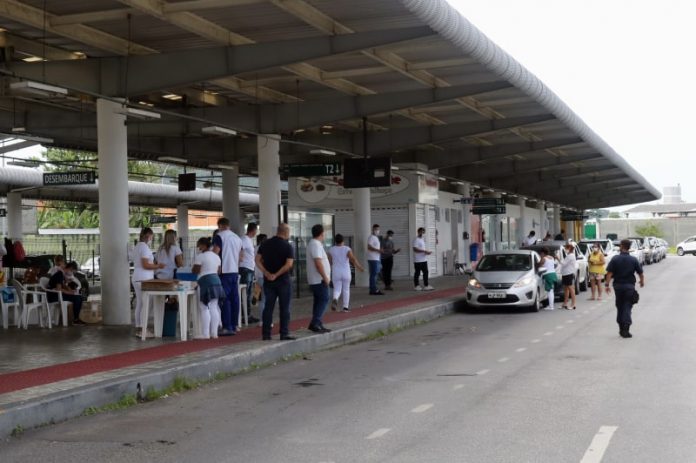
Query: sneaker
226 332
428 288
253 320
389 288
418 288
287 338
78 322
334 305
377 293
346 309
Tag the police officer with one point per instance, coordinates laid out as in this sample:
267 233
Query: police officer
622 268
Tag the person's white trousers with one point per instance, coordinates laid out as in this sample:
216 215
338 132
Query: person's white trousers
210 318
138 288
341 287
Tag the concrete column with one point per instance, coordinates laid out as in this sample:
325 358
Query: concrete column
543 228
230 197
497 238
362 228
269 182
465 191
113 212
14 216
556 220
522 222
182 222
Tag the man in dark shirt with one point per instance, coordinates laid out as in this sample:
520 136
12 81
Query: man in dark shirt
388 252
59 282
622 269
275 258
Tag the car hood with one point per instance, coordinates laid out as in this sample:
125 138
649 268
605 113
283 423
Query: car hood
501 277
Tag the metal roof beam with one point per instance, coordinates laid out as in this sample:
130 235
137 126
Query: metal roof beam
177 69
515 184
288 117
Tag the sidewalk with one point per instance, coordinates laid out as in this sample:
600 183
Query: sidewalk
48 376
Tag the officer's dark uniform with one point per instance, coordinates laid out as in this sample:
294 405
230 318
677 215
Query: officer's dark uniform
623 268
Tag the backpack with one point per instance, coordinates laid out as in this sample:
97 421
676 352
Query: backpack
18 250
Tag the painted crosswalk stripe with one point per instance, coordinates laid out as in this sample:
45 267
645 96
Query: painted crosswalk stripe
379 433
599 445
482 372
548 333
422 408
457 387
534 341
521 349
503 359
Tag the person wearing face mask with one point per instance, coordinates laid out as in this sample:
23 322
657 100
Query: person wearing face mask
143 269
374 260
59 281
597 272
207 266
420 262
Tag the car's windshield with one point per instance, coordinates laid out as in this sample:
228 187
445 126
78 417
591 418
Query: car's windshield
505 262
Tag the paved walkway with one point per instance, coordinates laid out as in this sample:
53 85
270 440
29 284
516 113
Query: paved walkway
40 357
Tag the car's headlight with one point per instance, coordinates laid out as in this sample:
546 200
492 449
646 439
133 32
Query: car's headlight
474 283
526 281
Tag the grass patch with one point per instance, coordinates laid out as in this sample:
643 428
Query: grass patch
17 431
126 401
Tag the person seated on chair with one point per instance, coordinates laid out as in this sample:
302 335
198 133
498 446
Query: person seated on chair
58 265
60 282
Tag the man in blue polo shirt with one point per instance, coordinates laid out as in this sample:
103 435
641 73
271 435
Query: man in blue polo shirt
622 269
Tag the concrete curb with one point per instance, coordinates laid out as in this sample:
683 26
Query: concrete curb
64 405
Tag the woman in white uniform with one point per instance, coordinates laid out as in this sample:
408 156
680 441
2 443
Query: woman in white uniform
341 256
170 255
143 269
211 293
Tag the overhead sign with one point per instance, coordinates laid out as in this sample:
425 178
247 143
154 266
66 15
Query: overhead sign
328 169
488 210
574 217
3 212
69 178
154 219
489 202
464 200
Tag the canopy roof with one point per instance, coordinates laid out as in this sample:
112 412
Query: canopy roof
430 87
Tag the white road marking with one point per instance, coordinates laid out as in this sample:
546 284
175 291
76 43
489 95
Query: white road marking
422 408
548 333
570 321
599 444
560 327
379 433
586 312
482 372
534 341
458 387
503 359
521 349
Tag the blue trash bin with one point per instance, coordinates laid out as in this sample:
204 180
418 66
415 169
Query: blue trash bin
473 251
171 312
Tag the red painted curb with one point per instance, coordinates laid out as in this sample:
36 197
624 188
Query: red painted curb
39 376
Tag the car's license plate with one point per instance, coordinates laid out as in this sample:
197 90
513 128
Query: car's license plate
496 295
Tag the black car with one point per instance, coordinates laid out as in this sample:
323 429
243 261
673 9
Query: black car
42 264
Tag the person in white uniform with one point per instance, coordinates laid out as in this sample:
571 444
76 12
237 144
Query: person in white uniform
568 266
420 262
247 266
143 269
341 257
169 254
548 263
207 265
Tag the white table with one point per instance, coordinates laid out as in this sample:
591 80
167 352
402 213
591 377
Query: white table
157 298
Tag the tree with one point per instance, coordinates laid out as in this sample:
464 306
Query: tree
61 214
650 229
614 215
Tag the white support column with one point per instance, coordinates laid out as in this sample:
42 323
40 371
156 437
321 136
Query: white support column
497 238
465 191
14 216
182 222
230 197
556 220
522 222
269 182
362 228
113 212
543 227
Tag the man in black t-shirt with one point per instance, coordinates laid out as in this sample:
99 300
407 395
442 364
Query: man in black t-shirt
275 258
59 282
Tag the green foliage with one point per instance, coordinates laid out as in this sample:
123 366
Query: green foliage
126 401
650 229
614 215
60 214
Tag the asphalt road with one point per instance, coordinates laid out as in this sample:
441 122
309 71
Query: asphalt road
556 386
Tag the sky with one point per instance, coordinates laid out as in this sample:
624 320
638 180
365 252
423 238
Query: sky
625 67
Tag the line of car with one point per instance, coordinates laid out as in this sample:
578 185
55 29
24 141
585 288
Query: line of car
511 278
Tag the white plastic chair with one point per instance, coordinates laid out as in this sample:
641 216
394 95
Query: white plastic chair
37 304
6 306
60 305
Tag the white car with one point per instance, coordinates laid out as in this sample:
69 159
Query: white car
507 278
91 267
688 246
605 245
637 251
